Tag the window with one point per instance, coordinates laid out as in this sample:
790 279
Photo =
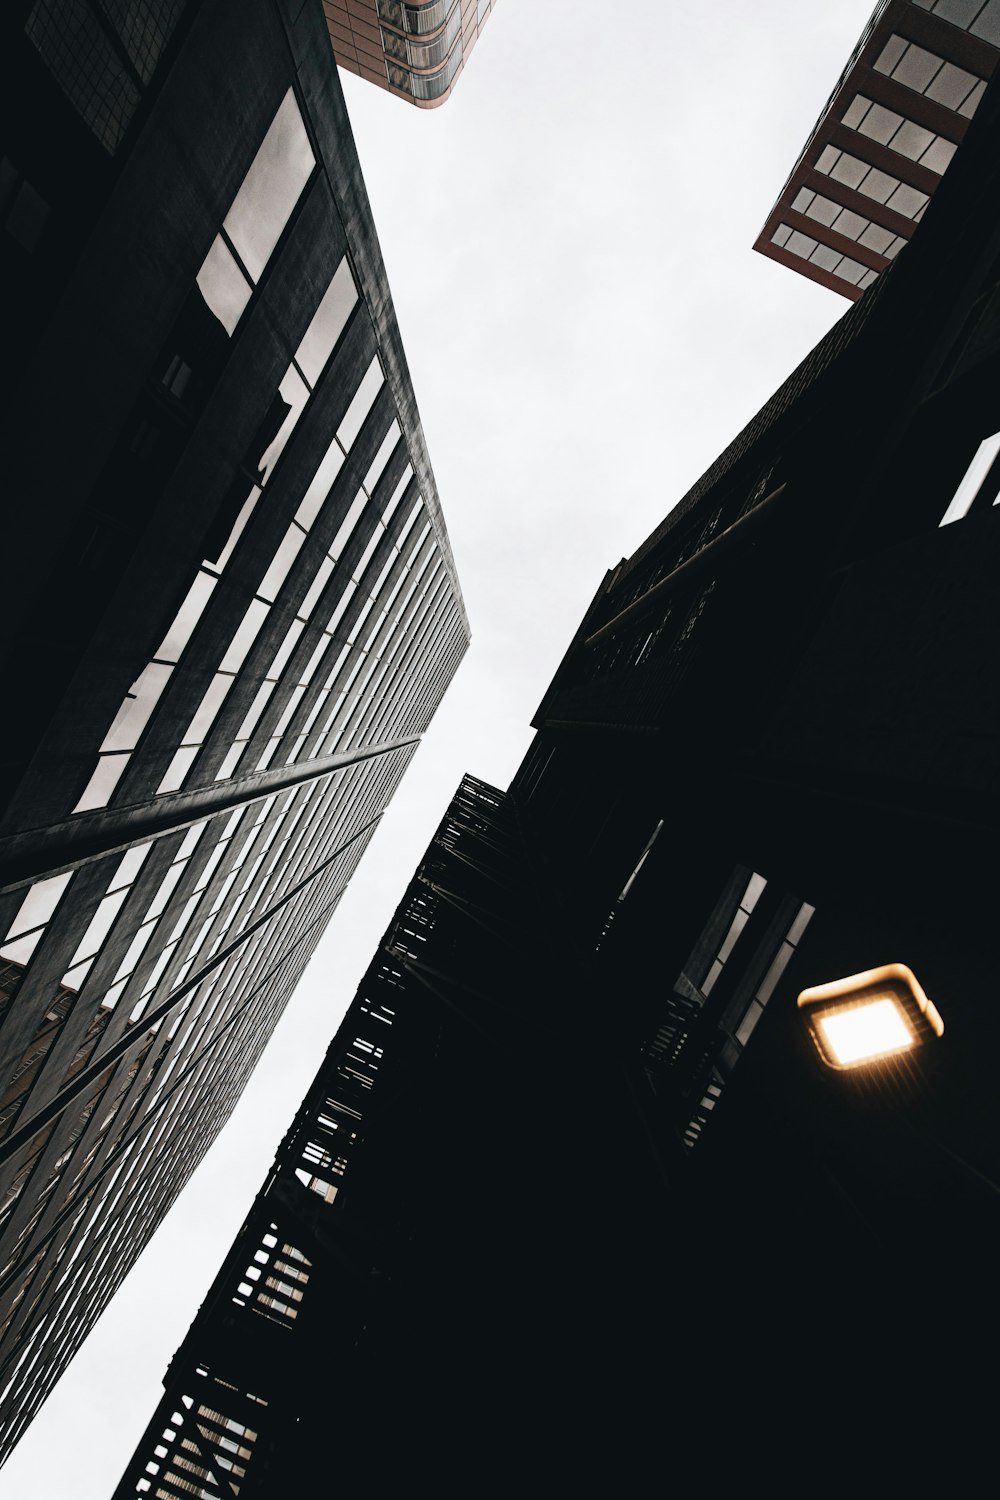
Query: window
32 917
271 188
980 482
930 75
848 223
828 259
899 134
872 182
980 17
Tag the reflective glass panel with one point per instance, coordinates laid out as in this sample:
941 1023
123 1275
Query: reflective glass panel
187 617
223 285
295 393
322 482
103 782
39 904
131 718
245 636
348 524
271 188
328 323
286 554
361 405
381 458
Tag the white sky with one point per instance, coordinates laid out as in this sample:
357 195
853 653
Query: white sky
568 246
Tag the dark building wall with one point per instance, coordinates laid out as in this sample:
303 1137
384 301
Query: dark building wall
459 1180
789 682
236 613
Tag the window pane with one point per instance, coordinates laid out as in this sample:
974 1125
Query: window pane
847 170
938 156
381 458
295 393
366 555
207 709
855 111
822 209
241 520
245 636
851 224
952 86
414 513
319 583
972 480
881 186
286 554
891 53
876 238
348 524
39 904
912 140
129 867
971 104
187 618
100 926
746 1026
917 68
907 200
322 483
328 323
177 770
284 651
801 244
880 124
103 782
987 23
255 710
361 405
223 285
131 718
397 494
271 188
345 600
959 12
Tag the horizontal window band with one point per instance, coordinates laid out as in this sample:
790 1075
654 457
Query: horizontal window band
35 855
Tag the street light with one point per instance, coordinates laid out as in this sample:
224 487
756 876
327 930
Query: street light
868 1017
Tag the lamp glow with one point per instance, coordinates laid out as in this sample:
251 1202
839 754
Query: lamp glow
863 1032
869 1017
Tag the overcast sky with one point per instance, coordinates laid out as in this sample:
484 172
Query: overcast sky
568 246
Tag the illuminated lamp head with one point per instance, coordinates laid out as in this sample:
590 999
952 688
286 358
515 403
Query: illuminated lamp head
869 1017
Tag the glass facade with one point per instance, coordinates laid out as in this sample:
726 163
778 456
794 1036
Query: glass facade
248 685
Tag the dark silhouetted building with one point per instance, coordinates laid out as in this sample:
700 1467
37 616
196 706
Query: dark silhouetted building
888 132
231 605
413 51
574 1198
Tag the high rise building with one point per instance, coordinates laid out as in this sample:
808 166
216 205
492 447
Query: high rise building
888 132
413 51
233 613
575 1186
